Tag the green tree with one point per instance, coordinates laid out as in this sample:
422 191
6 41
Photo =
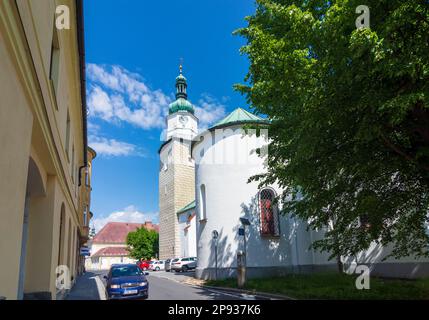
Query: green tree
143 243
350 117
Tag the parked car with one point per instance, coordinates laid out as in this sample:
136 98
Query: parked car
144 265
184 264
151 264
167 264
126 281
158 265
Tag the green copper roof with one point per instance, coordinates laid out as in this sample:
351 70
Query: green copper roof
180 77
240 115
181 104
189 206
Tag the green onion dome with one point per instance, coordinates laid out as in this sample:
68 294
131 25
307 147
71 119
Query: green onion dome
181 103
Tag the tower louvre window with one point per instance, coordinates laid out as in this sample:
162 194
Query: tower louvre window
269 216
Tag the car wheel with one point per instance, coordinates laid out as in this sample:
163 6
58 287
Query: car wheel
185 268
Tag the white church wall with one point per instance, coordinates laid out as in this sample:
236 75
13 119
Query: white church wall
374 258
192 238
224 171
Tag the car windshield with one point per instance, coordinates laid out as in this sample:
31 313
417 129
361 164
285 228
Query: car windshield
174 260
126 271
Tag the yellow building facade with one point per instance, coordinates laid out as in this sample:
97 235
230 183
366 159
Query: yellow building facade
45 165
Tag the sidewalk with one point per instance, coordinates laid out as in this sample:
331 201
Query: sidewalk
88 287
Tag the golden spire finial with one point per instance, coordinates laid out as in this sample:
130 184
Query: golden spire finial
181 65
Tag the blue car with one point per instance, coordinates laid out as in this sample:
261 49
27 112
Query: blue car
126 281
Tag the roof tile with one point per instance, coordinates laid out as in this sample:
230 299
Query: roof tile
116 232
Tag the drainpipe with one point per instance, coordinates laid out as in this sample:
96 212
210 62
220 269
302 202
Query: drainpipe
22 262
81 48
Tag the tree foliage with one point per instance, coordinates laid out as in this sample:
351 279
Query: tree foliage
143 243
350 117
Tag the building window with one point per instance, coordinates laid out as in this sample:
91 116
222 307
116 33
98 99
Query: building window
269 215
67 146
86 177
72 165
85 216
203 205
54 70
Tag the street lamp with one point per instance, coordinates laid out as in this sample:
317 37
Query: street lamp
215 237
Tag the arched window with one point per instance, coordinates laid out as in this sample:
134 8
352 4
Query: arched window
203 213
69 244
269 215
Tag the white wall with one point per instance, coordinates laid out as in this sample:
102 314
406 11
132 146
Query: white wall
175 127
104 263
188 238
192 238
229 196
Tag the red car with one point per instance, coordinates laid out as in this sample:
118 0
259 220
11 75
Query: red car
144 265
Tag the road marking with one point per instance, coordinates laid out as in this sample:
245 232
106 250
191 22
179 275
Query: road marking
240 296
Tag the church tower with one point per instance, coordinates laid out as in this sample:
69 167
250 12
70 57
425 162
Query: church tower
176 172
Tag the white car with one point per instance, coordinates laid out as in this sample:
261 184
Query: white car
184 264
158 265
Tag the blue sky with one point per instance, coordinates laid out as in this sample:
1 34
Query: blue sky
133 49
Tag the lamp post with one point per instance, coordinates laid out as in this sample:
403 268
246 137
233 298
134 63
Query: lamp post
215 237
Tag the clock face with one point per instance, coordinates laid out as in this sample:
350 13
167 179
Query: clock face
183 120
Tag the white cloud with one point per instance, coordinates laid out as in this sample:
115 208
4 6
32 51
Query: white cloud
93 128
117 95
100 104
112 147
209 111
129 214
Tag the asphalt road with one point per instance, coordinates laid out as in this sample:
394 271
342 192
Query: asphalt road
164 289
91 287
